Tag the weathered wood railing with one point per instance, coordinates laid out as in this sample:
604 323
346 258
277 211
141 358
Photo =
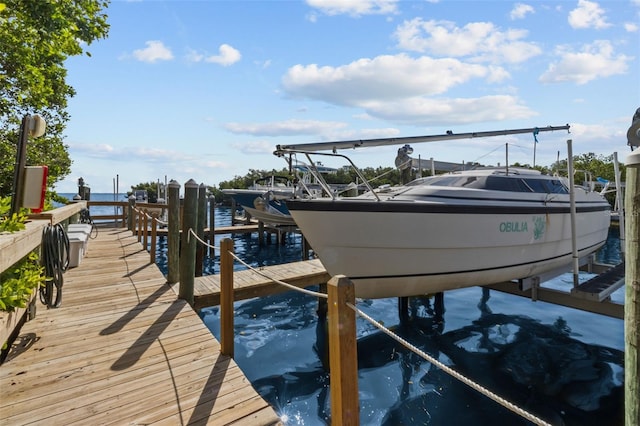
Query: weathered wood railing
15 246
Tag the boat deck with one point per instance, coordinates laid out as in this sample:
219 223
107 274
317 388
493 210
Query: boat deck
122 349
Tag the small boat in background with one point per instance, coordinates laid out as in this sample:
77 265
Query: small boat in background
265 199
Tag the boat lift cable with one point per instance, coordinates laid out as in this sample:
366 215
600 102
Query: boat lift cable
486 392
55 259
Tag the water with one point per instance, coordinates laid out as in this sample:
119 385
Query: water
561 364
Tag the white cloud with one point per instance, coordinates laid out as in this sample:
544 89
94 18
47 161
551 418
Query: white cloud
631 27
155 51
588 14
402 89
354 7
254 147
520 10
480 41
594 61
284 128
441 111
227 56
387 77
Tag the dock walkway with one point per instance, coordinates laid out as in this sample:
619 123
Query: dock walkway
122 349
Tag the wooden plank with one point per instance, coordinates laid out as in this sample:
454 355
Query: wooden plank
248 283
15 246
60 214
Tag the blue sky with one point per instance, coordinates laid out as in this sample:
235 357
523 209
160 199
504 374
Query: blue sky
205 90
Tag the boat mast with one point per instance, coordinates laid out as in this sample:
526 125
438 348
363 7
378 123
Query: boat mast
358 143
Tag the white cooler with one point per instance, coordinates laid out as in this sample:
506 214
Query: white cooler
77 243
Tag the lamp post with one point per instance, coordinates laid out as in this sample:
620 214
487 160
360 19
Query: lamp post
632 278
32 126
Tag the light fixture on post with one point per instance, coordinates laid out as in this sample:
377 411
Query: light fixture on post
32 126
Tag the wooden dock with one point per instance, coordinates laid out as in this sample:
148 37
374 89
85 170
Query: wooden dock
122 349
248 283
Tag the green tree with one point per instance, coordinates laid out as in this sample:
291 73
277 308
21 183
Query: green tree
36 37
150 187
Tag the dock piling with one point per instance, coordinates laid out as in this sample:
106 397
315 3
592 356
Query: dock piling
173 233
188 243
226 297
343 356
632 299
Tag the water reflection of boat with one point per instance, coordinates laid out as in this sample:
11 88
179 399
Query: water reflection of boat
461 229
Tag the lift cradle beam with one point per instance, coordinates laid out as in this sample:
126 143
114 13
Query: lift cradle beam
361 143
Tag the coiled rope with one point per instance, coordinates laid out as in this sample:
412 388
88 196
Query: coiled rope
55 259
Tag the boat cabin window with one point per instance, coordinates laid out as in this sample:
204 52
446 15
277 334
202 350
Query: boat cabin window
497 183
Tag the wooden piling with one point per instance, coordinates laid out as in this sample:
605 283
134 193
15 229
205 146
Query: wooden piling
130 213
154 239
212 224
139 224
260 233
188 242
201 224
632 298
343 352
226 297
145 228
173 232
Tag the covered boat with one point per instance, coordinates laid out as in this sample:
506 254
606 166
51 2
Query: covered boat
460 229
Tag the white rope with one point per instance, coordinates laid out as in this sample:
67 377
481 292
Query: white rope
514 408
292 287
192 232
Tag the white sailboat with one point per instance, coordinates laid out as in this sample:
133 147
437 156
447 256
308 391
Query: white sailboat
460 229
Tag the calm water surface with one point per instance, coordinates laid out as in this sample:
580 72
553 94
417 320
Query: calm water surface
561 364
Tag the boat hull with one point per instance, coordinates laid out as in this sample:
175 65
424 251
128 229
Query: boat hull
405 249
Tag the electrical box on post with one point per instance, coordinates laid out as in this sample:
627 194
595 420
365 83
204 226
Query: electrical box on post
34 188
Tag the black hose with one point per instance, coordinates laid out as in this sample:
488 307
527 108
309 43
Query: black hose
55 259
